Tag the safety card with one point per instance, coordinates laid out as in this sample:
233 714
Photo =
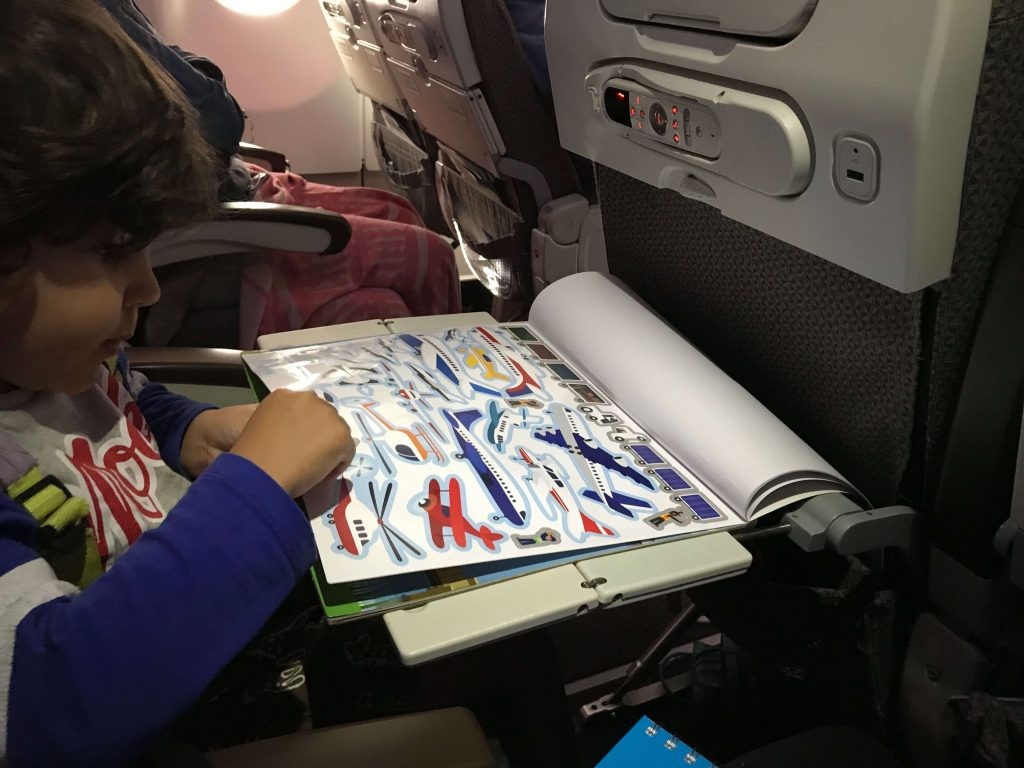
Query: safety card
479 444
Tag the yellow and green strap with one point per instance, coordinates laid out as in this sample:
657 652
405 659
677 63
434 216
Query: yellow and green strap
66 540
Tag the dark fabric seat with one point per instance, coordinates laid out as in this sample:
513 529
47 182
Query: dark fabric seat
829 747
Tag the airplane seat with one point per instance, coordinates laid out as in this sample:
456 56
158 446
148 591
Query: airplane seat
404 154
872 374
198 305
500 172
845 747
408 157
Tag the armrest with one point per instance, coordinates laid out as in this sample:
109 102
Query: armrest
252 227
189 365
268 158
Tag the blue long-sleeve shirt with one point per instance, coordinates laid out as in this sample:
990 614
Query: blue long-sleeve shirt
97 676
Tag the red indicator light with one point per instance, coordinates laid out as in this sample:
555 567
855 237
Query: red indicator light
636 100
675 123
632 111
675 137
675 110
620 95
640 126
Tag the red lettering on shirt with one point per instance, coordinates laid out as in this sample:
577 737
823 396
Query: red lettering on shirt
123 401
119 475
120 481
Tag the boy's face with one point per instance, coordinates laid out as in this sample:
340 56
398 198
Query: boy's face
67 310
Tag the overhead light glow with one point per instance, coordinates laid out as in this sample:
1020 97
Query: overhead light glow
258 7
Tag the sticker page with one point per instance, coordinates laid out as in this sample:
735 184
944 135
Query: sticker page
476 445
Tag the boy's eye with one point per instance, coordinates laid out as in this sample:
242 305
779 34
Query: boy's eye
116 249
110 252
115 254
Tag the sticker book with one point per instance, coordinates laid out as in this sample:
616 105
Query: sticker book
487 448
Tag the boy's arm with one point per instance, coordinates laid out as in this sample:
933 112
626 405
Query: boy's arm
97 677
223 121
188 444
169 416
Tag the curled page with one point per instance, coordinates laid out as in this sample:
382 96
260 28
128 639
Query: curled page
707 420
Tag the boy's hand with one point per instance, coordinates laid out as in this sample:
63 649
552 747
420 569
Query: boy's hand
210 434
297 439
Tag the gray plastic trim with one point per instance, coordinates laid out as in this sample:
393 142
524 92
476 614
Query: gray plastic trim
456 118
367 68
516 169
763 144
439 37
775 19
345 15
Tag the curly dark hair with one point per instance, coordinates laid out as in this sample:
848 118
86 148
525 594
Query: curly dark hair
92 131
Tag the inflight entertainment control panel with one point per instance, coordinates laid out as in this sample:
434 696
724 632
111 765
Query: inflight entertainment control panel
668 119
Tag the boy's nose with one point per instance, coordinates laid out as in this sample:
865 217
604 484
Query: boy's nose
143 288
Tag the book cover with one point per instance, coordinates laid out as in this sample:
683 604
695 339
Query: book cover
649 745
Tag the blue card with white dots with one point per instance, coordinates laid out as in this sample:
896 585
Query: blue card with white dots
651 746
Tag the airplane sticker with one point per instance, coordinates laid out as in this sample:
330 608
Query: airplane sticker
525 383
592 462
354 526
508 501
446 518
549 480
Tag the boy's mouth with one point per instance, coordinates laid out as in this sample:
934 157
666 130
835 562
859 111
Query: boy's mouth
112 345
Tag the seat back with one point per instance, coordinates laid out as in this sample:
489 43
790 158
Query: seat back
867 374
361 55
462 74
404 154
198 307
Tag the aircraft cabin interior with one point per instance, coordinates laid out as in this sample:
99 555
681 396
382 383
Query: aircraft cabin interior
779 242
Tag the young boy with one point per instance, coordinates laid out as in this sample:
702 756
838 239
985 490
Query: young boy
98 155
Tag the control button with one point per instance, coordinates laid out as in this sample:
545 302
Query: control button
675 123
659 118
675 137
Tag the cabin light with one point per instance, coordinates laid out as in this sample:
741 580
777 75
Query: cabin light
258 7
